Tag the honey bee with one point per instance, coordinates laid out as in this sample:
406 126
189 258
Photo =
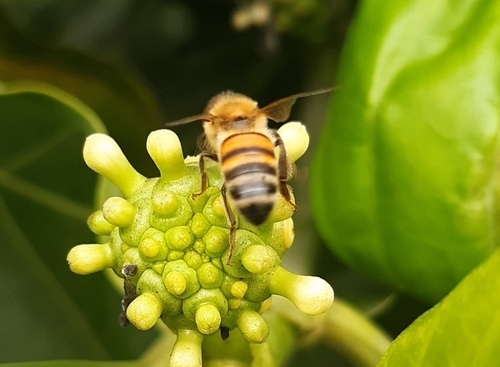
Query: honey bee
239 139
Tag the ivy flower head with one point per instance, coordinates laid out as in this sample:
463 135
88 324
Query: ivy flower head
172 247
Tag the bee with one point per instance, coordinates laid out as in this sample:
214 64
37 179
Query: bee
238 137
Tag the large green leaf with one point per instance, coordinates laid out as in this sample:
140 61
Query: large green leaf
46 194
404 181
462 330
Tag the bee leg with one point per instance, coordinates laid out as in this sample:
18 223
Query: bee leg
201 165
283 168
232 224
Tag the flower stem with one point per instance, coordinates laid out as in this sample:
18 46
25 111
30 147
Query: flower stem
342 328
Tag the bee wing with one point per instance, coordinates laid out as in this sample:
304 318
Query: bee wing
279 110
186 120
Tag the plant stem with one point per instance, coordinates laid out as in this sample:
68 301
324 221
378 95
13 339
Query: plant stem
343 329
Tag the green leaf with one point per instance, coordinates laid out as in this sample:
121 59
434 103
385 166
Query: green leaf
462 330
404 181
46 194
119 98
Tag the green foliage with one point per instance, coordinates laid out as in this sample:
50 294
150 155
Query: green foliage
405 179
46 196
463 329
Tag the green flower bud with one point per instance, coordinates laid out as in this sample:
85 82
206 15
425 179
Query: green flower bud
165 149
282 236
199 247
153 246
204 296
179 238
88 259
209 276
253 327
215 212
176 282
151 282
165 203
180 217
259 259
180 279
311 295
239 289
295 138
282 209
103 155
216 241
193 259
99 225
244 239
200 225
118 212
207 319
236 307
144 311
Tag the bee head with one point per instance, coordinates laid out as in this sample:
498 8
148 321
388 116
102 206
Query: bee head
227 113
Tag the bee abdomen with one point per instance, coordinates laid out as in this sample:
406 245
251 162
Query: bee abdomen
250 170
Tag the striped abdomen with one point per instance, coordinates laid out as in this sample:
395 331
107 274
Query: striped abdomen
250 170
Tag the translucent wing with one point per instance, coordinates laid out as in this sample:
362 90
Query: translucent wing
186 120
279 110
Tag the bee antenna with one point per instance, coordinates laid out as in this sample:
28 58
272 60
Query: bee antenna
186 120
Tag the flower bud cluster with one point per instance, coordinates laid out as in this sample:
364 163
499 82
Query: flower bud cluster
172 246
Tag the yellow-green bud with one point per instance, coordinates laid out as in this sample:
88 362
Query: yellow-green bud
153 246
237 306
209 276
132 234
99 225
208 319
175 255
216 241
165 149
239 289
204 296
87 259
253 327
295 139
179 238
200 225
215 212
180 217
165 203
174 283
193 259
151 282
259 259
311 295
144 311
118 211
103 155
